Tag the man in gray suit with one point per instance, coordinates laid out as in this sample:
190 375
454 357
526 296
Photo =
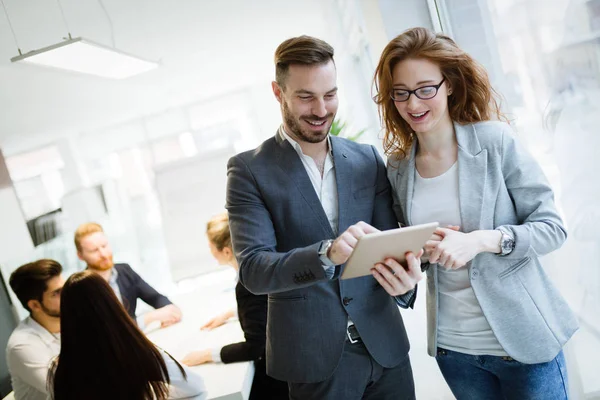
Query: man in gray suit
288 200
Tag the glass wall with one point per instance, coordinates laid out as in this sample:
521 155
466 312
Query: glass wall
544 57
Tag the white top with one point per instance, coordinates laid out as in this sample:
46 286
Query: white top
181 388
462 327
29 352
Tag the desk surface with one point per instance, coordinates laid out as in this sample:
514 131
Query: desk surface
223 381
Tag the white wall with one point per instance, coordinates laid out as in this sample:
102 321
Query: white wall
15 241
205 48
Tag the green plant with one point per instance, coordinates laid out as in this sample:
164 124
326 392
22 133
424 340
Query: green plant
337 129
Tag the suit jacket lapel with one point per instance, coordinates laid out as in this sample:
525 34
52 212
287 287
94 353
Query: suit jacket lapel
472 174
289 161
406 184
343 176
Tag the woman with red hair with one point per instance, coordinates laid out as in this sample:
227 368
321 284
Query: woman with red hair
496 324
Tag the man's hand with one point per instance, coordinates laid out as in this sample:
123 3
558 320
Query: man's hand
197 358
342 247
167 315
394 278
217 321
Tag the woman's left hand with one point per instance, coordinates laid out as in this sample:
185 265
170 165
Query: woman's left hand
435 239
197 357
455 250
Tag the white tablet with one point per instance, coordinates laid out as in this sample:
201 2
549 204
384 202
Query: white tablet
394 243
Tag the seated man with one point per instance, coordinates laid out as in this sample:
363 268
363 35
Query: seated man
93 248
36 341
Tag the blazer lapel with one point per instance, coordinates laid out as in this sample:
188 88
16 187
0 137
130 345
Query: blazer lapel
343 177
289 161
472 174
406 184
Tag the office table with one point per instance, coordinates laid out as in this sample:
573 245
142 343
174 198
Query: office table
223 381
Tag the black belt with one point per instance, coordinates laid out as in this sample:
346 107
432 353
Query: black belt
353 335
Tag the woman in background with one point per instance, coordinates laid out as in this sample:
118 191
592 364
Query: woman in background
496 324
252 313
105 356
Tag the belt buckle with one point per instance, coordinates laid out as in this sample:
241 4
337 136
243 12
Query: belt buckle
350 331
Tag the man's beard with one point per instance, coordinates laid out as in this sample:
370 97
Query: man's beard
293 124
49 312
102 267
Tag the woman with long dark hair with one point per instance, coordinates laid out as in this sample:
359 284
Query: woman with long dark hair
496 324
105 356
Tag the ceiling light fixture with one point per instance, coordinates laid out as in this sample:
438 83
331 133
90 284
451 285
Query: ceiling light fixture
84 56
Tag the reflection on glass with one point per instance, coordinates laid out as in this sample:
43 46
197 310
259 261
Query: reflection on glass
546 57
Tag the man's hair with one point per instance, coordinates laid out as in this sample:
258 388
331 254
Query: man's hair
303 50
85 230
30 281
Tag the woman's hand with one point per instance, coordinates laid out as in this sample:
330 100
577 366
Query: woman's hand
217 321
435 239
197 358
455 249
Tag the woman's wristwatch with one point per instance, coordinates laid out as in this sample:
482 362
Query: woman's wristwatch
507 242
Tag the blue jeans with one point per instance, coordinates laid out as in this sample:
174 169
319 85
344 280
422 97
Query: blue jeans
502 378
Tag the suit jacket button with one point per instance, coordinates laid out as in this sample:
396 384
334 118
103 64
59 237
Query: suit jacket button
346 300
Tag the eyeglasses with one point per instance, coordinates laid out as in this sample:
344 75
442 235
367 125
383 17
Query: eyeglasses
423 93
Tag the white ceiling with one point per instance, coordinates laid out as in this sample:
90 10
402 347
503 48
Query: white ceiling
205 48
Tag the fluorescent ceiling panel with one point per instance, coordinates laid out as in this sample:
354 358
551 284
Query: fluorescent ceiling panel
84 56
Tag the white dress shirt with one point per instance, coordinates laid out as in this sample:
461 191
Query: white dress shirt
112 282
29 352
325 186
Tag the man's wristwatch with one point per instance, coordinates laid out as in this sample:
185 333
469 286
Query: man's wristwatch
507 242
323 250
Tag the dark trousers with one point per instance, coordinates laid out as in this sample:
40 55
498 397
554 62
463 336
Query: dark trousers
359 376
264 387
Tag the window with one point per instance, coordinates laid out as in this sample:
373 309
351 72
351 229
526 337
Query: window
544 57
37 180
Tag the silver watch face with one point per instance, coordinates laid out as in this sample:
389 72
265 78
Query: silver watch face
324 247
508 244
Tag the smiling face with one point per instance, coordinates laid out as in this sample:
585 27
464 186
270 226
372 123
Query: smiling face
423 116
309 101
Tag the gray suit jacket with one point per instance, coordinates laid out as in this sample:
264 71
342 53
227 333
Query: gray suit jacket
501 185
277 223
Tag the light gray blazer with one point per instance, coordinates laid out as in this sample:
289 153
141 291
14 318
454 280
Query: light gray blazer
500 184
